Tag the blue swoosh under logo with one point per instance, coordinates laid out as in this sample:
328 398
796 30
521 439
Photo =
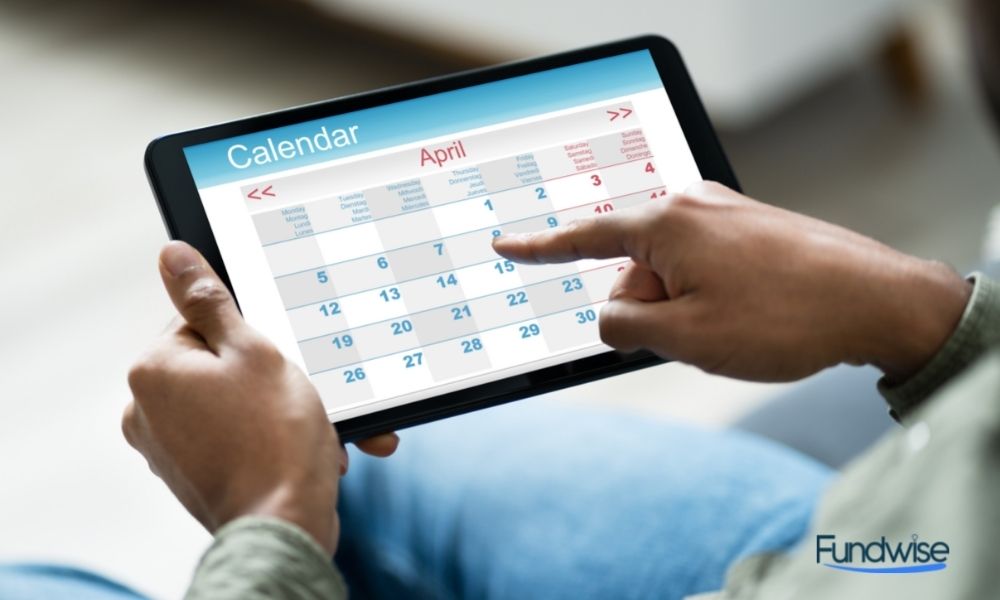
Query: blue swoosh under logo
907 569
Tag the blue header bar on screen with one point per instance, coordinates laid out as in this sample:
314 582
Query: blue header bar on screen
311 142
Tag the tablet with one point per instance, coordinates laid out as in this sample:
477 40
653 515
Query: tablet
355 233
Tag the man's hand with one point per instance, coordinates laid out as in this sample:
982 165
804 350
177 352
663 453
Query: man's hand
231 426
743 289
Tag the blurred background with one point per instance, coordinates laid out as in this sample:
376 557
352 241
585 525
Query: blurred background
862 112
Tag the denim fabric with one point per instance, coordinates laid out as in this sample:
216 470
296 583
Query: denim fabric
834 416
544 500
54 582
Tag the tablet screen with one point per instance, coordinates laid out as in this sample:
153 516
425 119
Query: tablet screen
360 243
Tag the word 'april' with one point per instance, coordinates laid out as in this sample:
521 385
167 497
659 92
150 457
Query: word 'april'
441 155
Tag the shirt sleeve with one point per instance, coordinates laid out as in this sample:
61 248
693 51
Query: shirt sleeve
977 331
253 558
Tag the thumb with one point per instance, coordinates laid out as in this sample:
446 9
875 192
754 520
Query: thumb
628 324
198 294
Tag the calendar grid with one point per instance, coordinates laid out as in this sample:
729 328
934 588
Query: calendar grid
361 332
459 337
407 287
458 380
459 200
464 233
425 242
359 242
501 292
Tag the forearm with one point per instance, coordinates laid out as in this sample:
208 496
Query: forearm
257 558
977 330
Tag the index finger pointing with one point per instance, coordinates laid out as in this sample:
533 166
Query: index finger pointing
607 236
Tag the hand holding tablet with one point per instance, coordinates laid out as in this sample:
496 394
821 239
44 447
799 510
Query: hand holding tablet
740 288
190 389
369 262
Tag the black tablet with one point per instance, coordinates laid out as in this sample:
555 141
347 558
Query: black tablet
355 233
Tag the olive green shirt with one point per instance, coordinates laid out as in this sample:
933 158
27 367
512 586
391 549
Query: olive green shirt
258 557
937 478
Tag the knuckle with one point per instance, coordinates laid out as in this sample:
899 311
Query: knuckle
702 188
261 351
141 373
128 423
577 225
575 229
680 202
660 210
676 209
655 221
147 373
204 294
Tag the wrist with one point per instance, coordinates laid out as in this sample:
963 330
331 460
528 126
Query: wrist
309 507
920 305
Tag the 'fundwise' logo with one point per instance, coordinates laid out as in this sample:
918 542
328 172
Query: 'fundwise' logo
881 556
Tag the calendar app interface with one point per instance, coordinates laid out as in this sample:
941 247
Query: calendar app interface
360 243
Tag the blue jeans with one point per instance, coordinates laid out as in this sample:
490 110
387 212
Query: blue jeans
51 582
539 500
535 500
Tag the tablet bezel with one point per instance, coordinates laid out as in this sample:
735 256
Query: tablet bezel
184 215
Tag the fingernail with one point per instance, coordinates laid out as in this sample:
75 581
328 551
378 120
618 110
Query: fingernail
178 257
